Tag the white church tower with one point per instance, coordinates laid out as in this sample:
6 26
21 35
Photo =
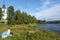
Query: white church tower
4 17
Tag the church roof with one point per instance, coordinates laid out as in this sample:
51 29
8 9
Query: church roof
3 6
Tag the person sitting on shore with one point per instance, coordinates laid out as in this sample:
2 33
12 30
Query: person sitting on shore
7 33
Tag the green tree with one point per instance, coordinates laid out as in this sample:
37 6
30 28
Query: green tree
29 19
34 20
41 22
0 13
10 13
18 17
24 17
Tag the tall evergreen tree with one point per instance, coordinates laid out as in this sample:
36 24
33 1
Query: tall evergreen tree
24 17
18 17
34 20
29 19
10 13
0 13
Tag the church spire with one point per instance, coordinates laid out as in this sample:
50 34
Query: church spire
3 6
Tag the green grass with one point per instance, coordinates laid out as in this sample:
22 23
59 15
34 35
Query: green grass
24 32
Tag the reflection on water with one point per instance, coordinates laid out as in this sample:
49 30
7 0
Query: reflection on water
51 27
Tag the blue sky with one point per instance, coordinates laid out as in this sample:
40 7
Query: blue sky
42 9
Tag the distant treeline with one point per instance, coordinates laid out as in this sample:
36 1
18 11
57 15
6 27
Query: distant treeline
56 21
18 17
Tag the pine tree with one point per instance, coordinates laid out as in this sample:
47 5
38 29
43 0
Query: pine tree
10 13
0 13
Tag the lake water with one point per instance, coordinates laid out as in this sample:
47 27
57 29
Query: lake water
51 27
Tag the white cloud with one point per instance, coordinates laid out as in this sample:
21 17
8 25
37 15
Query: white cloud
46 4
52 13
45 13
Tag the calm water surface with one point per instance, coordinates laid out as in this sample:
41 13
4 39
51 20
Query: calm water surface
51 27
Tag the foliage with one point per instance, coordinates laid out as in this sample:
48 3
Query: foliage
19 17
0 13
10 13
56 21
41 21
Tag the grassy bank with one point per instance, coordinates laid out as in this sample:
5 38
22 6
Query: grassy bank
26 32
34 25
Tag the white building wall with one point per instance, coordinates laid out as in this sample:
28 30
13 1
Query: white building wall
4 14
